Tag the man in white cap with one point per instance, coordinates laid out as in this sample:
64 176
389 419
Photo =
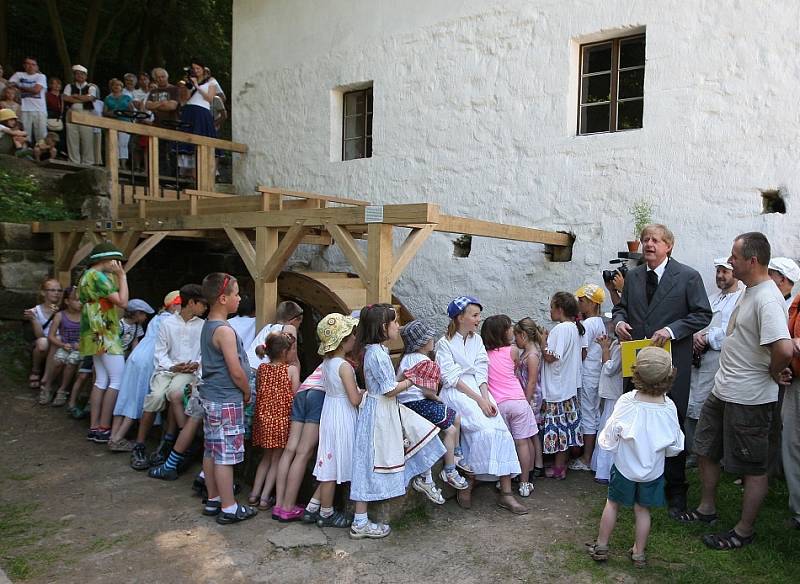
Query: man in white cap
707 344
80 96
32 86
784 272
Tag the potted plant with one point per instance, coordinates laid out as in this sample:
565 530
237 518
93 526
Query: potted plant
642 213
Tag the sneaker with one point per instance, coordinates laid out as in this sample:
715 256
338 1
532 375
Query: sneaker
120 445
430 490
578 464
310 517
90 436
454 479
525 489
369 530
139 458
102 436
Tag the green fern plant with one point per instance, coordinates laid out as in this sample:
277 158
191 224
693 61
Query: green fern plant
642 213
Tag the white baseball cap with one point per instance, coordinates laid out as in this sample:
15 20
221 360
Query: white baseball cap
786 267
80 68
723 263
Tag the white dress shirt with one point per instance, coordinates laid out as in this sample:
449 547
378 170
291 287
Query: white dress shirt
722 305
178 342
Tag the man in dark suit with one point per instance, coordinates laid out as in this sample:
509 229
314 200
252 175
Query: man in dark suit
665 300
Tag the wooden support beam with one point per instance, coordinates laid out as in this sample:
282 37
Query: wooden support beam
478 227
143 249
126 241
303 195
408 250
379 263
153 186
112 164
350 250
245 250
64 247
80 254
288 244
95 237
266 292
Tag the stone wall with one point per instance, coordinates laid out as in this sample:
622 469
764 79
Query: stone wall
25 260
475 105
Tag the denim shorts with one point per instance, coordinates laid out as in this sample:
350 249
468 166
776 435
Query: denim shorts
307 406
223 425
627 492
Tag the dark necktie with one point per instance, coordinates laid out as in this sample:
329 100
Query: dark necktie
651 285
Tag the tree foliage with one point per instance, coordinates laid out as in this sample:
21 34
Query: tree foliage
113 37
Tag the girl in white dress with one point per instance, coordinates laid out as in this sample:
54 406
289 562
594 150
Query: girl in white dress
339 413
486 443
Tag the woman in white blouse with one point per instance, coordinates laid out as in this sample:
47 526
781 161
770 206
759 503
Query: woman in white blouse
487 446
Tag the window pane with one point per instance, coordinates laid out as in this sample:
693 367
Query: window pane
353 127
631 53
631 84
629 114
597 58
353 149
369 148
350 100
595 118
596 88
369 100
369 124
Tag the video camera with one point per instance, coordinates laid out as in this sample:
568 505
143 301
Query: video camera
608 275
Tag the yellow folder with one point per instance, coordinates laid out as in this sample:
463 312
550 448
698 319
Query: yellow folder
629 350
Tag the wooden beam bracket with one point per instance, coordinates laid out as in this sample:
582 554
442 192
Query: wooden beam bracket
143 249
408 250
350 250
245 249
288 244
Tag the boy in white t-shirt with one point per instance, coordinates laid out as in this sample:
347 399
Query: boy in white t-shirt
642 431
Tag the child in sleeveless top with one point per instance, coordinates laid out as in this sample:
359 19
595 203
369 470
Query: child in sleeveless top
337 422
561 380
276 383
391 448
497 334
530 338
64 333
41 317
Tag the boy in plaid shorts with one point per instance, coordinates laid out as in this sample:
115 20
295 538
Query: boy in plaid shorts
223 393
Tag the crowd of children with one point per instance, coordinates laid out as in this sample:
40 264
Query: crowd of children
490 401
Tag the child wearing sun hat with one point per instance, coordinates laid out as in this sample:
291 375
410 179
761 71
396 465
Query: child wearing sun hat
642 431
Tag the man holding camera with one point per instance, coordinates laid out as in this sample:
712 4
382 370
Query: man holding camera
707 343
665 300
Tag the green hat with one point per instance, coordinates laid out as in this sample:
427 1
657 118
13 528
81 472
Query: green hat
105 251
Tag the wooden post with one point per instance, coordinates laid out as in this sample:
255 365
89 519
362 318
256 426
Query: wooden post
112 163
379 262
153 172
65 245
266 292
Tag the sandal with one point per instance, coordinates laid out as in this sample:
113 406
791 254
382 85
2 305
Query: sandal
60 400
295 514
599 553
338 519
266 504
242 513
310 517
212 508
253 499
556 472
33 380
639 560
695 516
727 541
538 471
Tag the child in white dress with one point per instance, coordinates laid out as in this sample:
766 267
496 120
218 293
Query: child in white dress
485 440
339 414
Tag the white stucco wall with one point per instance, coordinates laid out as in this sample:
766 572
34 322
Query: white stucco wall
475 107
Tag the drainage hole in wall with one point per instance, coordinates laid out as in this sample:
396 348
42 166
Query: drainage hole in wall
462 245
772 201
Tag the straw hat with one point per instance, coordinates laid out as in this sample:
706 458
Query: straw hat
333 329
7 114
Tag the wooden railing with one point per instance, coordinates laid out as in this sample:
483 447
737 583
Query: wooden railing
205 156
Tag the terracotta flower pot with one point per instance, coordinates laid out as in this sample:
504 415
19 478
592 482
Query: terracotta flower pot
633 246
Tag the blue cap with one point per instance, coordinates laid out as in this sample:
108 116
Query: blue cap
138 304
458 305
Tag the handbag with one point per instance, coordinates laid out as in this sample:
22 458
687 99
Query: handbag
54 125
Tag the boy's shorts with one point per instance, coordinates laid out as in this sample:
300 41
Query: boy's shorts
307 406
745 438
435 412
67 357
519 418
194 408
162 384
627 492
223 426
590 407
87 364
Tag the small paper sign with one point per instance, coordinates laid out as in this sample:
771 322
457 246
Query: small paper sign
629 350
373 214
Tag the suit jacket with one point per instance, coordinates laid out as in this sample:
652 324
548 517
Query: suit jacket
680 303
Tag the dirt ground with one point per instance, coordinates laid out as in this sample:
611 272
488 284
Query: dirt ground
74 512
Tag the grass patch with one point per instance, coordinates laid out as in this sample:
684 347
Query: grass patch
20 201
20 555
410 519
100 544
676 553
19 477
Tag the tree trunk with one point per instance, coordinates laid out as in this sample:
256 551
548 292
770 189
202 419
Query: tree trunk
90 32
58 37
4 32
108 28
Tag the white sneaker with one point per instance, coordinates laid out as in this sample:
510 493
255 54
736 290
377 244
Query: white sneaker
430 490
578 464
454 479
525 489
370 530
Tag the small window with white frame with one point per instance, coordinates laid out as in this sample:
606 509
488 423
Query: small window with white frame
611 95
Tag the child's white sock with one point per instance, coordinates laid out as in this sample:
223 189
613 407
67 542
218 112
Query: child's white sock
232 509
325 511
313 506
360 519
428 476
217 498
202 475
